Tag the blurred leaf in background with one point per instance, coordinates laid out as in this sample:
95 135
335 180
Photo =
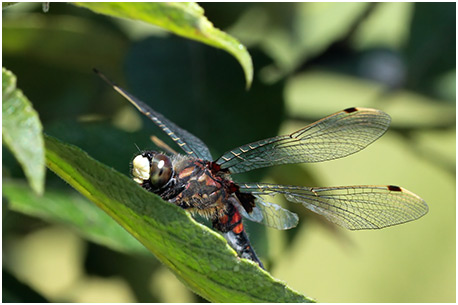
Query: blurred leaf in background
310 60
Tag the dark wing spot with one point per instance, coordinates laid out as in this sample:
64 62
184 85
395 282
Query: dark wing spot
394 188
350 110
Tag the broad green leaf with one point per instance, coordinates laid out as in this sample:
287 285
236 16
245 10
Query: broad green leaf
22 131
198 256
73 210
7 4
184 19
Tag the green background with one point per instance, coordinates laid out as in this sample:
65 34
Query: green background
310 60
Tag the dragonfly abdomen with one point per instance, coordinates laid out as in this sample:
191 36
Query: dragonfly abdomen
231 226
210 195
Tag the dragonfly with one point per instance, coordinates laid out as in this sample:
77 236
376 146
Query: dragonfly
196 182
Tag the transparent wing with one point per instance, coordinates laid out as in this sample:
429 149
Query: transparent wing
335 136
191 144
271 215
353 207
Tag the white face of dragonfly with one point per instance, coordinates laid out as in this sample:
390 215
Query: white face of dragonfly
140 169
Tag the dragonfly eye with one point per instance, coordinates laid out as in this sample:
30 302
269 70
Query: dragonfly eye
161 171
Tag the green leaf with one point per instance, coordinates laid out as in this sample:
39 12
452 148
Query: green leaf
66 42
73 210
312 28
184 19
198 256
22 131
7 4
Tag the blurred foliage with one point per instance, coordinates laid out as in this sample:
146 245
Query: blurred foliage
310 60
22 131
182 18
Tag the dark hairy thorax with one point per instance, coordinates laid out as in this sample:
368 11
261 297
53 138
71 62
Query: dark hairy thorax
200 187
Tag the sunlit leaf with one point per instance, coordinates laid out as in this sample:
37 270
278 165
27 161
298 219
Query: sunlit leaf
198 256
184 19
22 131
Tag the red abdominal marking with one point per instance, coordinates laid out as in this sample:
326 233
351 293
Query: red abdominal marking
236 218
238 228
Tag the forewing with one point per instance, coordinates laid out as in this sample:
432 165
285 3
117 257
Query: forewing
353 207
272 215
190 144
335 136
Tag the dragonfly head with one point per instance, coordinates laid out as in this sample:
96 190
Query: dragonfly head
155 168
